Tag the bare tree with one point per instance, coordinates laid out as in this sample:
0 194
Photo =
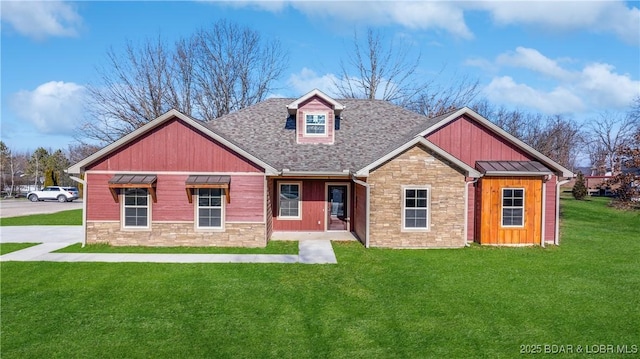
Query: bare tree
213 72
436 100
373 70
612 131
234 68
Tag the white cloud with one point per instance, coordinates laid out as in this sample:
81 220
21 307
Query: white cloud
607 88
533 60
40 19
596 16
594 87
307 80
558 100
54 107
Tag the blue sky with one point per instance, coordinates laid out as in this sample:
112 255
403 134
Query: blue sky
572 58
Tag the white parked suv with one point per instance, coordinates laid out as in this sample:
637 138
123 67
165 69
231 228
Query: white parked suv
56 193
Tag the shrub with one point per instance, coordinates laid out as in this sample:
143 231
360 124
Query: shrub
579 189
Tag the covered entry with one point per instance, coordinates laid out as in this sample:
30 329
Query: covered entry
511 205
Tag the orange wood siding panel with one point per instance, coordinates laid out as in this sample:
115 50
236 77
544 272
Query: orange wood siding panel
315 105
174 146
490 220
100 203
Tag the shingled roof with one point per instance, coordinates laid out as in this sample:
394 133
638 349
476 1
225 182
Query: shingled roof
368 130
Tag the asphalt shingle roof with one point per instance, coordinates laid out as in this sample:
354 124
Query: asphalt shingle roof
369 129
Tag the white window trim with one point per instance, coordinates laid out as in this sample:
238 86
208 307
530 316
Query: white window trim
197 214
299 216
123 225
524 195
404 194
326 124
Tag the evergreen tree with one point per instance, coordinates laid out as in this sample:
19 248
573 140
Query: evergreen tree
579 189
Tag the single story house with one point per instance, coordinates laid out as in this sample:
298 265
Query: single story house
389 176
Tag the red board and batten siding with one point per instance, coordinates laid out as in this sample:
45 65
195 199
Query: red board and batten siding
174 146
313 204
469 141
315 105
173 205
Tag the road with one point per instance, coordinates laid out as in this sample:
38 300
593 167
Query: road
23 207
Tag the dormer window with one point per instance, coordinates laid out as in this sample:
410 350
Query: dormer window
315 118
315 125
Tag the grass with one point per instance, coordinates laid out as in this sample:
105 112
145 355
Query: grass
12 247
478 302
64 218
273 247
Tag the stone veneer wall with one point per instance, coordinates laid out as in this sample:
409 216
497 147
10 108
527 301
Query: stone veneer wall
178 234
417 166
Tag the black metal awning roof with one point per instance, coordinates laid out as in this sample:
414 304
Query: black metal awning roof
513 168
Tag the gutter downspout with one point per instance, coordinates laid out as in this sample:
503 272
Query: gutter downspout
367 209
466 211
556 239
84 208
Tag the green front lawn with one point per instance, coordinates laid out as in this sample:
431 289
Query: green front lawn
72 217
478 302
273 247
12 247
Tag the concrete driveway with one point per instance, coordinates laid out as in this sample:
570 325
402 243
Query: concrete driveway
23 207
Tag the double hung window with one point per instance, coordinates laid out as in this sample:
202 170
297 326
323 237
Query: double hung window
416 208
289 200
315 124
209 208
136 208
513 207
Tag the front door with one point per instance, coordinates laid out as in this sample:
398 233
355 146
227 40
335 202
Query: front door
337 208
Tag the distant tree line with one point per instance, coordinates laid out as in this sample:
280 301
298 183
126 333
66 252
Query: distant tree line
24 171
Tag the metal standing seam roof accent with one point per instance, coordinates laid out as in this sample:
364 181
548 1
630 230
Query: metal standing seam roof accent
513 167
207 179
125 179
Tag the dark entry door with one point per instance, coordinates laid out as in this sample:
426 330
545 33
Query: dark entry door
337 208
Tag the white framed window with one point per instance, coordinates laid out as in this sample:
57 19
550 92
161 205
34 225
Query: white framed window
210 208
315 124
415 207
513 207
135 208
289 203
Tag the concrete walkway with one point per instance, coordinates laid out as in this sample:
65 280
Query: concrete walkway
53 238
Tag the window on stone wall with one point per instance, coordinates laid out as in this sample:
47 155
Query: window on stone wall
513 207
210 208
415 208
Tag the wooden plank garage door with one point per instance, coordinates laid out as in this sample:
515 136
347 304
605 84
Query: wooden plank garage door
490 214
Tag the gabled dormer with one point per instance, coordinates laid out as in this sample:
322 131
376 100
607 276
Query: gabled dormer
316 117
